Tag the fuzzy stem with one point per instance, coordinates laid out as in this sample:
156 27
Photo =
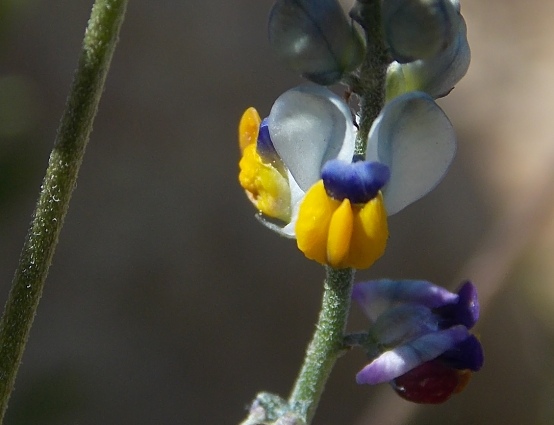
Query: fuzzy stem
326 345
370 83
58 184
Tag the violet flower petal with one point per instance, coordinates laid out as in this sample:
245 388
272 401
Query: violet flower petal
404 358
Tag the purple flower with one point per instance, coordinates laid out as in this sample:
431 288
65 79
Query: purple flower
419 340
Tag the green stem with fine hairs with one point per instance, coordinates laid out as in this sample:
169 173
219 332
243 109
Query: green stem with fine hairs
326 345
61 175
370 84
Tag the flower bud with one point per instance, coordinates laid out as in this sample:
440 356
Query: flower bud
419 29
314 38
435 76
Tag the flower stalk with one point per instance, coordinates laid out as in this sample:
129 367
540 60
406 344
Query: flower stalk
65 160
339 178
326 345
370 84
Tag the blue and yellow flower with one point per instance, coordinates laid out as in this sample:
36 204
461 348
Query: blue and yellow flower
284 171
419 339
342 220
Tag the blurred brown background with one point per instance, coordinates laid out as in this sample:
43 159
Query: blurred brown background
167 303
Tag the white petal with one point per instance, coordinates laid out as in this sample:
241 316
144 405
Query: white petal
296 196
308 126
414 137
276 227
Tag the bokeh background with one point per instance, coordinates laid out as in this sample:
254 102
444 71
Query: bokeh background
167 303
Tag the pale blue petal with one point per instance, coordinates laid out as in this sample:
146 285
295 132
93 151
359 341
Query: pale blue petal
456 4
378 295
415 139
404 323
391 364
308 126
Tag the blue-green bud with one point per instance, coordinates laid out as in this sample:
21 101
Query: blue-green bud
314 38
419 29
435 76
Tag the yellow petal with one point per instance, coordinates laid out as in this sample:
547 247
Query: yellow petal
312 225
340 234
249 127
369 235
265 186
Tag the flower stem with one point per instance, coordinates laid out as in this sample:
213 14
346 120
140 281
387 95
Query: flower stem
58 184
327 343
371 80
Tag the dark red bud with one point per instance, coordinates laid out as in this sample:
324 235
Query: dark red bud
432 382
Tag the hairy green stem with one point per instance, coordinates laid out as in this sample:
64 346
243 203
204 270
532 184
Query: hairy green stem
370 84
326 345
58 184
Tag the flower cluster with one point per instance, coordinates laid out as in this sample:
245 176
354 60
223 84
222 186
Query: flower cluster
418 339
337 210
318 174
